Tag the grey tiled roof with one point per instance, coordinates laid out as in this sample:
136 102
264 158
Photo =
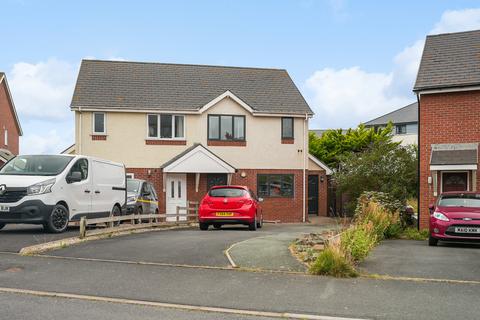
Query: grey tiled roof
451 157
407 114
181 87
450 60
320 132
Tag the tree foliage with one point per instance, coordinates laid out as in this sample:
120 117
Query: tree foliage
384 167
333 144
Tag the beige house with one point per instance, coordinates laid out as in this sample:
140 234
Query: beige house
189 127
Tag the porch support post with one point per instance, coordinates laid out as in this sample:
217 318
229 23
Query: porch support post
474 180
435 183
229 179
197 181
164 182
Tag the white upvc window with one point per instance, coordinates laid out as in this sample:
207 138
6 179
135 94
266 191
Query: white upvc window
166 126
99 123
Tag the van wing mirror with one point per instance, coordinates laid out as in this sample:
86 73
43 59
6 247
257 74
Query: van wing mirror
75 176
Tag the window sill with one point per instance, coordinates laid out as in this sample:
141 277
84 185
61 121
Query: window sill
97 137
226 143
288 140
165 142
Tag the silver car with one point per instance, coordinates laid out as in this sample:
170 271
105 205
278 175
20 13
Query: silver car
141 197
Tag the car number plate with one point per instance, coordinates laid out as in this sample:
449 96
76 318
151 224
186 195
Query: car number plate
224 214
4 209
467 230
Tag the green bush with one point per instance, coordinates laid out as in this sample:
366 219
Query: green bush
332 262
414 234
357 242
394 231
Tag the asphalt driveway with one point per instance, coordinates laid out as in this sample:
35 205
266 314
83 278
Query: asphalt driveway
186 246
14 237
408 258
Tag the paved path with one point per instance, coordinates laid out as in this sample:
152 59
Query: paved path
410 258
270 252
264 291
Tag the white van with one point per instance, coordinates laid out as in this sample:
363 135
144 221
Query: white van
54 189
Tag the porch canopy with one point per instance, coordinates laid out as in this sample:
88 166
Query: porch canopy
454 156
197 159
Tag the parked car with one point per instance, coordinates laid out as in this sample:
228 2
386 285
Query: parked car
455 217
54 189
230 205
141 197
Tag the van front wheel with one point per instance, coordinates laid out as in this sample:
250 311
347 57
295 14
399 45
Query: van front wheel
57 221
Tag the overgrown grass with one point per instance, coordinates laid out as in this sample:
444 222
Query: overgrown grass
414 234
373 222
332 262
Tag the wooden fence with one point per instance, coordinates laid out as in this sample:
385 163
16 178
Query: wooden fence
183 215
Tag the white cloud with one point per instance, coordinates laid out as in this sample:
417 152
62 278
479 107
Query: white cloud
43 90
348 96
458 20
42 142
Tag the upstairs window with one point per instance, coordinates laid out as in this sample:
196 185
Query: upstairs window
99 123
166 126
401 129
226 127
6 137
287 128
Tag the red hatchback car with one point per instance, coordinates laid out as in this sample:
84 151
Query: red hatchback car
455 217
230 205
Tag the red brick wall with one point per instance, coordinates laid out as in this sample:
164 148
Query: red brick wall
445 118
7 121
283 209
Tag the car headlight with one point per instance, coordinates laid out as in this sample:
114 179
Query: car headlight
131 199
41 188
440 216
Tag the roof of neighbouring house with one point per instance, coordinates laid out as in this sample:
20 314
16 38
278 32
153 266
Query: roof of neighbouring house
6 155
407 114
450 60
320 132
183 87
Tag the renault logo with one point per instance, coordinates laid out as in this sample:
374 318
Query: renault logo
3 189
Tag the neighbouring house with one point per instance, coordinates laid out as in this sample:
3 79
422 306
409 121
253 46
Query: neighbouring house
10 129
405 123
186 128
448 91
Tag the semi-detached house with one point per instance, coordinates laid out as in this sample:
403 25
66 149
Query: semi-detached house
189 127
448 91
10 129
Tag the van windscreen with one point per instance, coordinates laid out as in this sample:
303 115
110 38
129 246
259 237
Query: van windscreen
39 165
227 193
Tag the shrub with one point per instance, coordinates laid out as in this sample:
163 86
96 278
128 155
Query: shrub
332 262
414 234
357 241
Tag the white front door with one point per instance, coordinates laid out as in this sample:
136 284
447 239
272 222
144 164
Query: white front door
176 194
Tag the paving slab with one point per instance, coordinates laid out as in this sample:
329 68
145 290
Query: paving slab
409 258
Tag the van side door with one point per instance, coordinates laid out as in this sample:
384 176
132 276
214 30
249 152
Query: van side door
79 193
145 196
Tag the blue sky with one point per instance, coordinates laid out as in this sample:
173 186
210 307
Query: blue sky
353 60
